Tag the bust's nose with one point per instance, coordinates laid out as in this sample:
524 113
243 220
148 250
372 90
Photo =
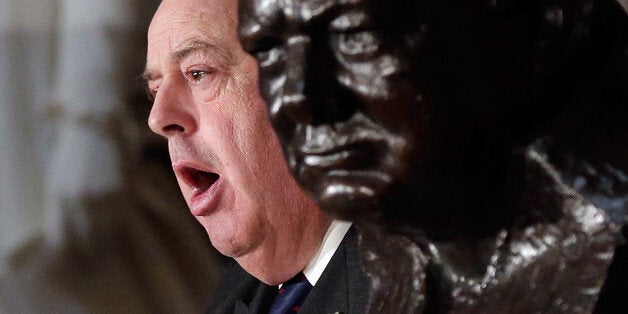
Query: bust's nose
308 91
294 99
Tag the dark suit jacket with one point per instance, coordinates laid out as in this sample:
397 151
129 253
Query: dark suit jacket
343 287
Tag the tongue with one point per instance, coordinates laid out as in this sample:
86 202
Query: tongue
204 180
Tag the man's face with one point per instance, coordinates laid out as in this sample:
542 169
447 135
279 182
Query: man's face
224 152
368 96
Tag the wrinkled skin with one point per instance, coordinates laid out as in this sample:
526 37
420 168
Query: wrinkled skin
224 152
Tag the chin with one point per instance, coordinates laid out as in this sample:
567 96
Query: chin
227 248
353 200
224 243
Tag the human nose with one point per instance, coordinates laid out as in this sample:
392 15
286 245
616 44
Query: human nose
172 113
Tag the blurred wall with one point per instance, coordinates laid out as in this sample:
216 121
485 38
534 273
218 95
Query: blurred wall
91 219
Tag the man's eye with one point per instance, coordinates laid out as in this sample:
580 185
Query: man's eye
151 92
149 89
197 75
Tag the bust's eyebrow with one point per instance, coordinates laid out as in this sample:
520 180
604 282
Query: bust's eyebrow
351 19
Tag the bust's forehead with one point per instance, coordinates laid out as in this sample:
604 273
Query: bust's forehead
299 11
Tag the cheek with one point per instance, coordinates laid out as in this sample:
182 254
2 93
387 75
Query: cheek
238 226
250 123
209 89
252 148
263 180
399 103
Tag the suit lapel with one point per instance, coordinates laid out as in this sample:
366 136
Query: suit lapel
357 282
240 307
343 286
239 292
262 300
330 293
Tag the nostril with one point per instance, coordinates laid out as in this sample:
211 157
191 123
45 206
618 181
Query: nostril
173 128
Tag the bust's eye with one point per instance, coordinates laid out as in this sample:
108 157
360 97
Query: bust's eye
360 43
354 36
266 50
265 44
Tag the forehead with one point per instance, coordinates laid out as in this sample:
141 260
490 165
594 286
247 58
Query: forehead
179 20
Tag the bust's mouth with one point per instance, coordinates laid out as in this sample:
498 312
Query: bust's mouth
352 144
350 156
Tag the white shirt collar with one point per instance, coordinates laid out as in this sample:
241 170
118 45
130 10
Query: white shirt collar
317 264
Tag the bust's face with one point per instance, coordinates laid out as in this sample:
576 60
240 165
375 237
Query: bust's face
368 97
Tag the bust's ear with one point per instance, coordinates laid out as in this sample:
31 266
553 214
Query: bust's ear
562 33
574 34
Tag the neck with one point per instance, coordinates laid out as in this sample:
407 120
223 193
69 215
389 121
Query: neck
287 250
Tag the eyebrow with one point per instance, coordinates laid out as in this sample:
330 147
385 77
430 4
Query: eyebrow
189 48
192 47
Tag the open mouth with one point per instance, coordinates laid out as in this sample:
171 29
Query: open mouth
205 186
200 181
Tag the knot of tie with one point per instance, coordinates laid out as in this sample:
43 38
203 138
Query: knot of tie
291 295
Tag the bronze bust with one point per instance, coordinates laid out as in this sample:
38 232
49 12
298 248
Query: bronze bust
481 146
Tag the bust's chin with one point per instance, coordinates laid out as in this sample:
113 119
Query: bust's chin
350 197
